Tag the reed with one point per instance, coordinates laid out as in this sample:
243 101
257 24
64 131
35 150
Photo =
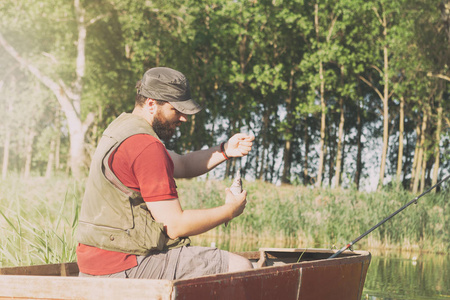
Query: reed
328 218
38 218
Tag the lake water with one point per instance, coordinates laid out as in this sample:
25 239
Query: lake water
392 275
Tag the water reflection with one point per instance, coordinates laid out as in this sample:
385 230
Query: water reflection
396 275
392 275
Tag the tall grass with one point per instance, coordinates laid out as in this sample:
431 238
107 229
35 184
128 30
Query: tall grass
38 218
328 218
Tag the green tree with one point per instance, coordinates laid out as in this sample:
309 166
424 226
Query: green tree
385 14
55 63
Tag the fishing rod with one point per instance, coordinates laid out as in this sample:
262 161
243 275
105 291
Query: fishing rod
387 218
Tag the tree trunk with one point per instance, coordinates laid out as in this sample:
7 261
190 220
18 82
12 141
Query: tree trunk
385 105
344 143
193 144
7 141
322 128
29 151
320 51
406 164
421 155
322 104
287 153
437 142
424 168
332 152
271 171
58 141
263 165
400 139
257 159
416 157
306 180
339 146
359 147
265 144
6 144
262 160
51 160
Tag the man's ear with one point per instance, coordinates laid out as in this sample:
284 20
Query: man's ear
150 104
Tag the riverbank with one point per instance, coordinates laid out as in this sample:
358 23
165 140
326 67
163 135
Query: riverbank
302 217
39 216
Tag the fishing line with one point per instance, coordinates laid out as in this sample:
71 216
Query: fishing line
387 218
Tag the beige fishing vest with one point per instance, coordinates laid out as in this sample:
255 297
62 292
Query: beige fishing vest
114 217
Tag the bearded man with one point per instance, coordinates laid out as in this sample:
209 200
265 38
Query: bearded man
131 223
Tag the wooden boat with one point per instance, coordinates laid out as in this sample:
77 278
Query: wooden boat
279 274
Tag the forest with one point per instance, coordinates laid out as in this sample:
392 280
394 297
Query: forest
336 92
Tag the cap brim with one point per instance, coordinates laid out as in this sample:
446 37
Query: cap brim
188 107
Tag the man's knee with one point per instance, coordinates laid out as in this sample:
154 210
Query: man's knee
238 263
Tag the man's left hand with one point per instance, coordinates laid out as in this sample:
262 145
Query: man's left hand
239 145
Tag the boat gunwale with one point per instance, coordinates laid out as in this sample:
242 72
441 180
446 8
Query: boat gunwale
358 256
71 287
345 258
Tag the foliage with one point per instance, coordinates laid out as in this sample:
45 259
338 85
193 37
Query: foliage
253 65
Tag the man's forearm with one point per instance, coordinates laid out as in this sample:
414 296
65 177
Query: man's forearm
198 221
197 163
179 223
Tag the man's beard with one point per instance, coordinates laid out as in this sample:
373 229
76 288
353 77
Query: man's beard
164 129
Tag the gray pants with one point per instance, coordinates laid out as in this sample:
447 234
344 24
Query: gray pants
180 263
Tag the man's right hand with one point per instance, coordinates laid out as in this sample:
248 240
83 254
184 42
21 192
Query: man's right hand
236 202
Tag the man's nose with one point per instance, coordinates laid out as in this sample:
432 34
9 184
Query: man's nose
183 118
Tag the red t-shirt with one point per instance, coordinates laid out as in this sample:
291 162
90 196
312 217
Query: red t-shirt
141 163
